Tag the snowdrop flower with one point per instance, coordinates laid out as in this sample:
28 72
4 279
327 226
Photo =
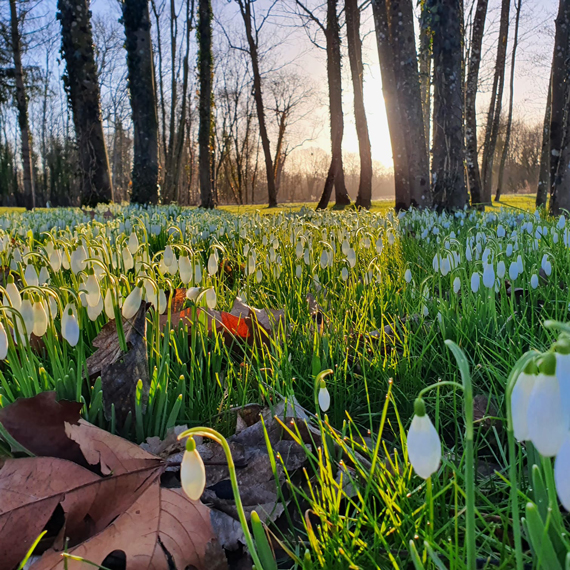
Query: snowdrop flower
500 231
27 312
456 285
212 264
489 276
185 269
324 261
379 246
13 294
168 255
197 274
344 274
520 399
520 264
562 348
211 298
93 292
324 397
108 304
55 261
424 445
509 250
561 470
192 293
408 276
93 312
44 275
31 276
3 342
475 282
435 262
545 417
69 325
192 471
546 265
78 258
351 257
534 281
445 266
501 269
469 253
133 243
513 270
162 302
298 272
40 319
133 302
128 261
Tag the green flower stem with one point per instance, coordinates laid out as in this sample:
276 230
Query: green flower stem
511 381
217 437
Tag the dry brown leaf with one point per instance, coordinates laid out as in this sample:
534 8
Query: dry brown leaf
162 527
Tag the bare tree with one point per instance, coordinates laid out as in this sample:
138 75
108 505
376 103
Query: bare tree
511 98
448 178
494 114
392 103
471 148
560 118
425 59
83 91
22 104
352 14
142 89
543 187
252 31
205 64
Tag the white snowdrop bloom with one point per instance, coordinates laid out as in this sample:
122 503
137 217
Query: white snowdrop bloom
324 398
40 319
14 296
185 269
489 276
78 258
344 274
94 312
391 237
324 261
168 255
133 243
108 304
31 276
69 325
520 264
560 225
173 267
192 472
259 276
92 290
299 250
445 266
534 281
197 273
351 257
424 445
485 256
546 265
307 257
128 262
500 231
379 245
212 264
469 253
520 399
55 261
299 271
44 275
192 293
27 312
3 342
546 420
475 282
513 270
501 269
425 311
563 375
162 302
211 298
555 237
509 249
561 470
456 285
408 275
132 303
435 262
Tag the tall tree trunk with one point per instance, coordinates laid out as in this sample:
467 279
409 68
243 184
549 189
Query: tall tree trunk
425 70
559 127
22 104
136 20
245 9
391 101
205 65
401 19
471 148
335 174
449 190
82 86
511 97
494 114
352 14
544 173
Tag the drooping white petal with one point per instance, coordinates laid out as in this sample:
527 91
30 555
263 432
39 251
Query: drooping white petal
563 375
324 399
192 474
132 303
424 447
520 400
561 471
211 298
546 421
3 342
40 319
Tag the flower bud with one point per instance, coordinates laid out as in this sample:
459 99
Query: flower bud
192 471
424 445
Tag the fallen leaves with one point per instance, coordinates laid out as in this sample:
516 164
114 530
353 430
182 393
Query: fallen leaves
109 500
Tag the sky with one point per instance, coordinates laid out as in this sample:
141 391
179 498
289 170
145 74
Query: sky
295 48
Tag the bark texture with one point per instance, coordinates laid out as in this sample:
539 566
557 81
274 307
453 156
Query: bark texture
542 190
205 64
22 105
335 176
494 114
391 100
82 87
471 148
401 21
448 175
352 14
138 44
